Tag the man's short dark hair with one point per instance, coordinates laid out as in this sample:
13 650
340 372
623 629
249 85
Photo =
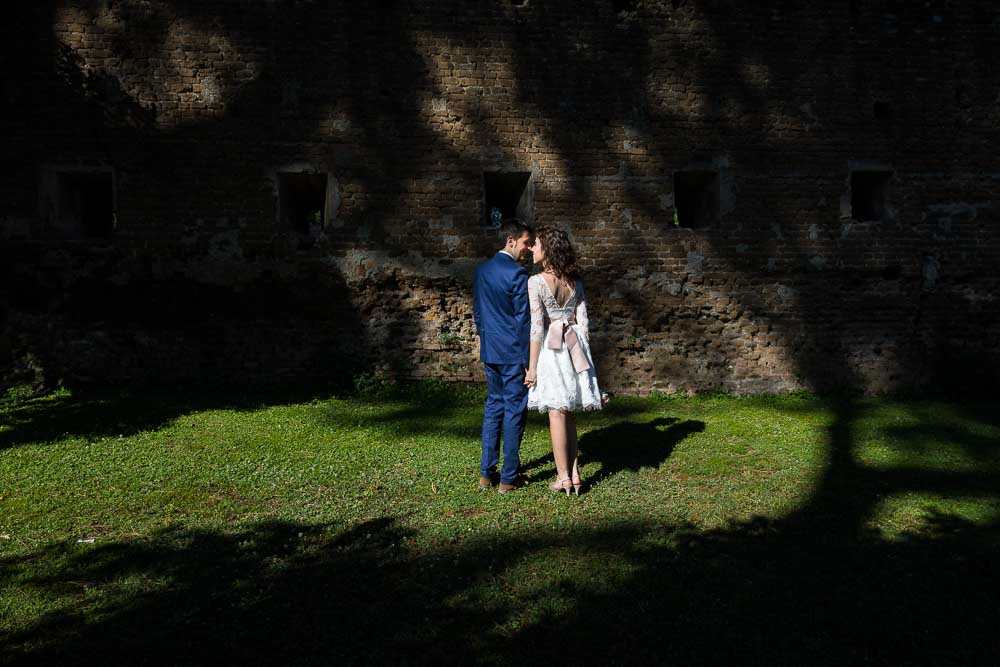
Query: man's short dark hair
514 228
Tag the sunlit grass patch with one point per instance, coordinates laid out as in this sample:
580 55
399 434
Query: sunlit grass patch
915 513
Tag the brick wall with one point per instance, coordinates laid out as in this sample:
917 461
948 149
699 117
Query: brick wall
196 108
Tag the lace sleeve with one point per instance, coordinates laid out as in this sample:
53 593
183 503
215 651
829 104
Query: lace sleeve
581 310
537 312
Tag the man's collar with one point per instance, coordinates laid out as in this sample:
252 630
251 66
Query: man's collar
508 254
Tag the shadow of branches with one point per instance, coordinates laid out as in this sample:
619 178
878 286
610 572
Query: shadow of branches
624 594
125 413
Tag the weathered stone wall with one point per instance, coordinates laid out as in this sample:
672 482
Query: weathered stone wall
194 107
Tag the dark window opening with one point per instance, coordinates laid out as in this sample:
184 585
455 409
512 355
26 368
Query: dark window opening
87 203
868 195
506 195
892 272
961 97
302 201
696 198
882 111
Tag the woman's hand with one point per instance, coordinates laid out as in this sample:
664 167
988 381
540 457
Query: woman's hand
529 377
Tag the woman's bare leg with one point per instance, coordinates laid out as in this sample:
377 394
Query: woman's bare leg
573 451
560 445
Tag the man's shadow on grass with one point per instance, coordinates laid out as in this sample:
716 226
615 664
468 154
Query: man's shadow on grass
626 446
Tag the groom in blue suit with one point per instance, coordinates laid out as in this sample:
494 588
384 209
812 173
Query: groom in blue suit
503 322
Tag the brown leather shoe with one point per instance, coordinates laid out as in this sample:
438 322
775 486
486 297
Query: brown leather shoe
485 483
518 483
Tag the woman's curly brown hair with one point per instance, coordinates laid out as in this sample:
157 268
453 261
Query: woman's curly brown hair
560 257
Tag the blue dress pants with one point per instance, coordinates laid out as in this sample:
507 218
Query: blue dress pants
506 409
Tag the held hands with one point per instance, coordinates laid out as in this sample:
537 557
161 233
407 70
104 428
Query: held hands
529 377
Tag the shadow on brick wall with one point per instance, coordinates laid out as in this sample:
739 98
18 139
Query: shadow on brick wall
581 74
97 331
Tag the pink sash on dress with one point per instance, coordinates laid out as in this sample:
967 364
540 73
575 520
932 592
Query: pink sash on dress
561 330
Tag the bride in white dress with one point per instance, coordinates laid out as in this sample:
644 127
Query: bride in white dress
561 377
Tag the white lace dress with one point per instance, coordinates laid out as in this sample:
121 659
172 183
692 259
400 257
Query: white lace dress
559 385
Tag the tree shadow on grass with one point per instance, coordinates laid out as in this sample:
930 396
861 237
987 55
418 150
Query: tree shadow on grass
439 408
817 586
102 414
292 593
431 407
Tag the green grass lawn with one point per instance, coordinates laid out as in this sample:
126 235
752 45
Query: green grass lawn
337 529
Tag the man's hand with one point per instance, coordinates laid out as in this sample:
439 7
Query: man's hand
529 377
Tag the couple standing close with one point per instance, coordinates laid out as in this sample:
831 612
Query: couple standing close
534 343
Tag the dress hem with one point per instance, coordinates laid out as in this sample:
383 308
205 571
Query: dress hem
562 408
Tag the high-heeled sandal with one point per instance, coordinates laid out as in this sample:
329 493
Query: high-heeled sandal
561 485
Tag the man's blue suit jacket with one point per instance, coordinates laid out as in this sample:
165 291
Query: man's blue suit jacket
500 307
